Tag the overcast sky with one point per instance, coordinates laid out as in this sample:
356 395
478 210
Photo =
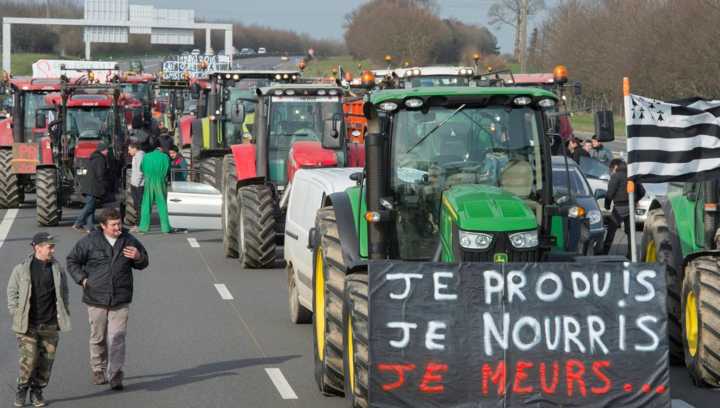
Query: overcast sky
319 18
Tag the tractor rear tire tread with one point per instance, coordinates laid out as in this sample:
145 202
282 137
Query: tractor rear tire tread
48 211
10 194
701 274
257 209
210 170
229 208
656 229
356 298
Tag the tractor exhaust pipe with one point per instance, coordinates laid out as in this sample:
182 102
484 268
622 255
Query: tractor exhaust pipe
375 147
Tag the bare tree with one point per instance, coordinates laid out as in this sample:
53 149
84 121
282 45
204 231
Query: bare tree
510 13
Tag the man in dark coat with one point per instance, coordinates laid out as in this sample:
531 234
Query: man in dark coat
93 188
102 263
618 195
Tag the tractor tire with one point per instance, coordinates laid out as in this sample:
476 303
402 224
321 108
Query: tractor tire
131 216
46 190
701 320
356 340
229 209
328 291
210 171
657 247
256 230
299 314
10 194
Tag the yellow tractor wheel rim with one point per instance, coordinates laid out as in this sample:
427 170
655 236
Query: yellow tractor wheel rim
651 252
351 355
319 306
691 323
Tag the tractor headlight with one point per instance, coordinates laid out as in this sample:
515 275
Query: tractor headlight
594 216
525 239
475 240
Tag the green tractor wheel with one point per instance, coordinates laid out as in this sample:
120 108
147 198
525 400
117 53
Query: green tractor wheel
657 247
701 320
356 341
328 287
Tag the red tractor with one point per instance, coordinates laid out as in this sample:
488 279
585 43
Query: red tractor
23 139
87 115
137 94
290 120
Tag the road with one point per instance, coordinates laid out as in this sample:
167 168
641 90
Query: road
187 345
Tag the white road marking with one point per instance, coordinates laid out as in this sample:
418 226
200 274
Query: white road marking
6 224
193 243
223 291
283 387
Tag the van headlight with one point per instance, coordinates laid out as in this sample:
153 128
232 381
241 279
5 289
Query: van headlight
525 239
475 240
594 216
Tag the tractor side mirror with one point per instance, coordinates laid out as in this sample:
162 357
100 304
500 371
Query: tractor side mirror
237 113
333 132
600 193
40 119
605 126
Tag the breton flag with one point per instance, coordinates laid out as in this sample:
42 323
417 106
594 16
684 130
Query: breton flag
672 141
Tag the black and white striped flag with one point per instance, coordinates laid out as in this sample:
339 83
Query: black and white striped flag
672 141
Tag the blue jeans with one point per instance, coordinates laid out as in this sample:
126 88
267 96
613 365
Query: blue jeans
87 214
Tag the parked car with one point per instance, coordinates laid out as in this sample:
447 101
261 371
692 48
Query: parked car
300 220
247 51
587 242
194 206
598 175
262 50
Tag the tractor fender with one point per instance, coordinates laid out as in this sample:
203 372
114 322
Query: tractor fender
6 132
709 252
245 162
185 130
664 203
309 155
346 230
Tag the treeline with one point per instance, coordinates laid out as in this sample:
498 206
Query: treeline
68 41
412 31
668 49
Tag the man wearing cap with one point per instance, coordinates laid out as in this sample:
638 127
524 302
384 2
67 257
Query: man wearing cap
37 296
92 188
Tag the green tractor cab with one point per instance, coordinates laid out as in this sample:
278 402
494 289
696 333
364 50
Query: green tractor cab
451 175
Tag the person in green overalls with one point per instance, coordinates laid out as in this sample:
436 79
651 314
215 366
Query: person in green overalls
155 168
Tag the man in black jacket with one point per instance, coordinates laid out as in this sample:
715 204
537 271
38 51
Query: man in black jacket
102 263
617 194
93 188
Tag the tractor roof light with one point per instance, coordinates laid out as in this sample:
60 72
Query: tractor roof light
321 92
302 65
414 103
333 92
522 100
236 77
546 103
388 106
476 57
388 58
560 74
286 76
228 76
368 78
278 92
290 92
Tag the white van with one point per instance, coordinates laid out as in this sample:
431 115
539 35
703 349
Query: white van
310 188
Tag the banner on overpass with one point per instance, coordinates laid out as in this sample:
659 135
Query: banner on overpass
491 335
73 69
197 66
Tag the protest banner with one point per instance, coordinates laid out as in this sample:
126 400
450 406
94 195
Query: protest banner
196 66
514 335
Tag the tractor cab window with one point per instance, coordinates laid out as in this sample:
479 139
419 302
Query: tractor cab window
89 123
437 80
296 119
139 91
433 151
33 102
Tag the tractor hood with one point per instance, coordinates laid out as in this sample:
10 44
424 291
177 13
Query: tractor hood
486 208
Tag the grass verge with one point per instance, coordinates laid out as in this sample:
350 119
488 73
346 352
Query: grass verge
584 122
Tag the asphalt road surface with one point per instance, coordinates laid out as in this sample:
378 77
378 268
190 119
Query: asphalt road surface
202 332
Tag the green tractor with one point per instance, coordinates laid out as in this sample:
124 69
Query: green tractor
451 175
681 231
